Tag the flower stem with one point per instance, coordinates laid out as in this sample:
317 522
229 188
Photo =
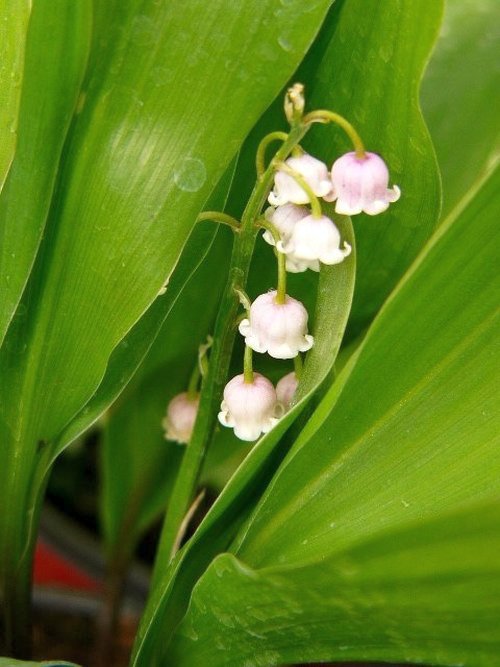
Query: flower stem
218 216
326 116
260 158
297 366
281 291
300 180
193 381
224 333
281 257
247 365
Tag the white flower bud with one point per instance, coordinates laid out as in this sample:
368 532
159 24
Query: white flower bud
280 329
313 240
181 415
313 171
285 390
249 407
361 184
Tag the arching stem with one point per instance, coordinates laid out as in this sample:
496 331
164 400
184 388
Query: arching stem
300 180
326 116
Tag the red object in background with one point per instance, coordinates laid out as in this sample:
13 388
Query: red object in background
52 569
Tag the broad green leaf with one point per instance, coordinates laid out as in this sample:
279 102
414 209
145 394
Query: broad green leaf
131 353
461 94
56 54
393 492
427 593
169 598
14 17
182 85
139 167
367 65
138 464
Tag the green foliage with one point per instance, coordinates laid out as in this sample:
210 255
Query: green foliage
461 95
365 525
385 515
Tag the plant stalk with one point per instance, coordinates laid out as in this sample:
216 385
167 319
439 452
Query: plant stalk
213 383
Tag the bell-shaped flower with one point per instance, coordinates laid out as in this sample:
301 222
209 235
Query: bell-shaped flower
284 219
361 184
285 390
280 329
315 239
180 417
287 190
250 408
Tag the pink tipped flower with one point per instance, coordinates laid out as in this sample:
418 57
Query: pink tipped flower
285 390
249 407
181 415
315 240
280 329
362 184
287 190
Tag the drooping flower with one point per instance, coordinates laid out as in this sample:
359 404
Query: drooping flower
280 329
180 417
285 390
287 190
361 184
284 219
315 240
250 408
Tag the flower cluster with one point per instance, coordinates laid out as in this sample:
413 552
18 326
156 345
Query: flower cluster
303 238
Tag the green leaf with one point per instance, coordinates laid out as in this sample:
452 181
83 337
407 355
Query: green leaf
134 351
424 594
56 54
109 266
150 143
169 598
383 520
461 94
138 464
367 65
14 16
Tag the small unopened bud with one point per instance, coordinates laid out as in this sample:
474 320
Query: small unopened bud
181 415
285 390
294 102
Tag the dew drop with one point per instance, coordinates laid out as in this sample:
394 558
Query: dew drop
190 175
285 44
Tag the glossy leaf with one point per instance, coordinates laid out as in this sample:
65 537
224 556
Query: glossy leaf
138 464
461 94
56 56
14 16
382 523
424 594
149 145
